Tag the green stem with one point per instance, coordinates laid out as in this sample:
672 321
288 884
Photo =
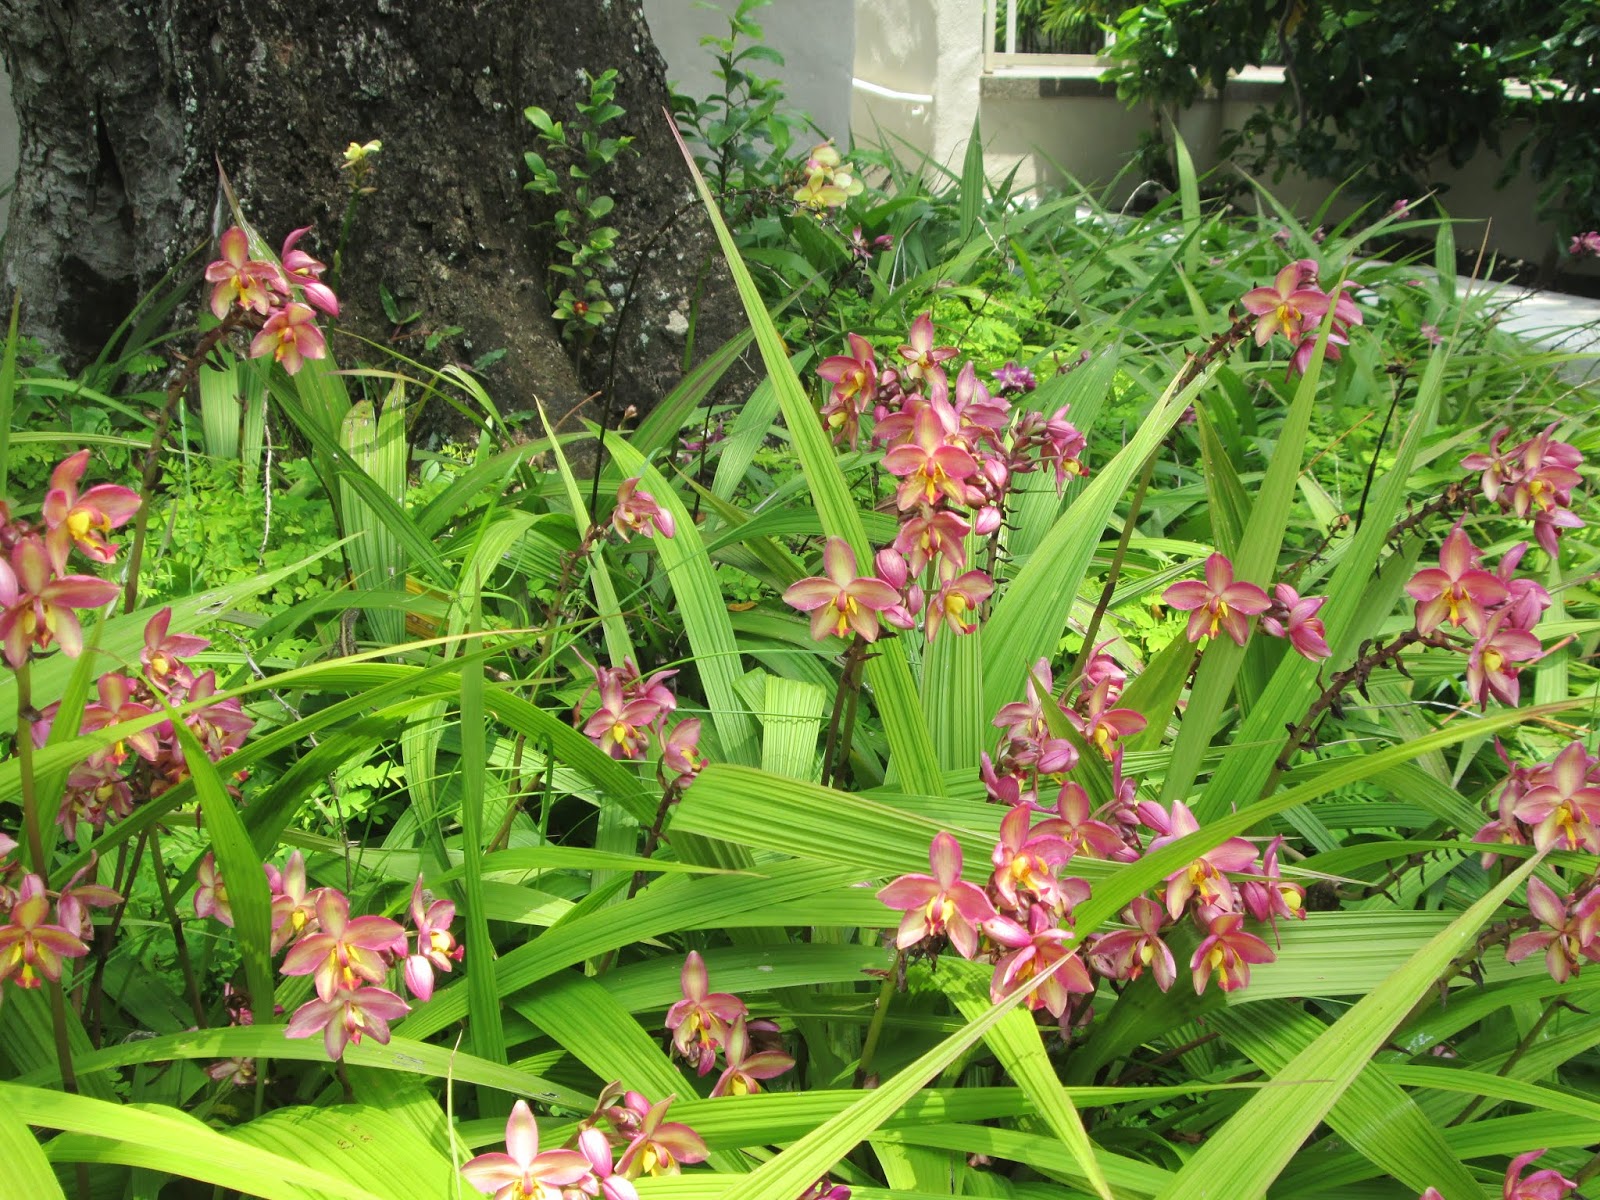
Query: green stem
869 1047
837 746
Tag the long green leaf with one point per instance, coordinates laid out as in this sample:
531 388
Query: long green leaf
1252 1148
888 673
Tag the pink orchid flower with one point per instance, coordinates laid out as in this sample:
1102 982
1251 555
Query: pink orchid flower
31 949
700 1021
77 898
934 536
343 951
82 519
921 355
1294 617
346 1017
1103 726
163 653
294 904
592 1144
1075 825
840 600
744 1069
1218 603
940 903
1457 590
1227 952
1025 862
1287 303
241 280
1492 663
522 1172
931 464
658 1146
305 273
290 336
1568 938
1563 807
211 891
36 607
1203 878
680 752
638 512
954 600
1548 1184
436 945
1035 949
618 726
855 385
1268 896
1126 953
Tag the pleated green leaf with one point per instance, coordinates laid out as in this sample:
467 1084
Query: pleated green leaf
28 1171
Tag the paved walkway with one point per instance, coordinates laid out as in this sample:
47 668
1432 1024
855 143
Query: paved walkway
1554 320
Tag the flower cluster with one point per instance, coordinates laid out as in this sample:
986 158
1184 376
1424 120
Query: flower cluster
1534 478
1548 1184
1022 917
1497 610
1585 244
955 450
828 180
704 1022
281 294
632 708
349 958
1294 305
112 781
636 1140
1223 604
33 948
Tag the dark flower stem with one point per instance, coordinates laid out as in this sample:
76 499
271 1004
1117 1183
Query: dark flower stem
185 963
841 723
158 439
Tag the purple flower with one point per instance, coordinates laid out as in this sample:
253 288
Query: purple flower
1218 603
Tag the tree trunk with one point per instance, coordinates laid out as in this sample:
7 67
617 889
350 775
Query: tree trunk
128 107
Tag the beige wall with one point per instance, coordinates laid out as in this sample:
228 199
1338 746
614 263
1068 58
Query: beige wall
815 37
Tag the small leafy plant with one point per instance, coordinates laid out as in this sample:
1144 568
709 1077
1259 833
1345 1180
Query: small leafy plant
575 155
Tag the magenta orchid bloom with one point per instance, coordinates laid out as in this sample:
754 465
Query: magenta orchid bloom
294 905
955 600
343 951
241 280
658 1146
1061 448
1285 306
638 512
921 355
31 949
680 752
1218 603
840 600
1126 953
346 1017
934 536
1569 936
1025 862
1103 726
855 385
932 463
1227 951
592 1144
81 520
164 653
1563 807
1294 617
290 336
116 704
77 898
305 273
745 1069
1035 949
37 607
618 726
522 1172
1203 878
700 1021
1457 590
211 891
436 945
1268 896
1075 825
940 903
1548 1184
1499 468
1492 663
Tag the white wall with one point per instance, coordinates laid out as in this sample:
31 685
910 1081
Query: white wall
815 37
